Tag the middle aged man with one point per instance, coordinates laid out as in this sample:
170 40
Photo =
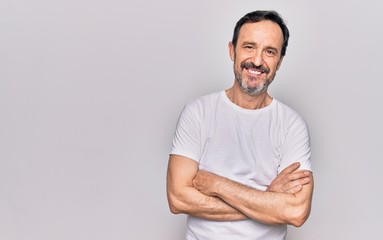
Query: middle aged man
240 163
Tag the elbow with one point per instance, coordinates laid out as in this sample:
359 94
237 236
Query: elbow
298 216
298 212
298 222
175 205
174 208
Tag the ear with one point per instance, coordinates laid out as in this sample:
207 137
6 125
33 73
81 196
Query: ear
280 62
231 51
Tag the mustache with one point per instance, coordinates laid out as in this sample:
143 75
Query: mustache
252 65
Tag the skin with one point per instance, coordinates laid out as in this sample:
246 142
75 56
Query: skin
291 207
287 200
260 44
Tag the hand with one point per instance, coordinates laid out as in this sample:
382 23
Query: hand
290 180
205 181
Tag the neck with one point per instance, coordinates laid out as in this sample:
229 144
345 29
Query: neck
247 101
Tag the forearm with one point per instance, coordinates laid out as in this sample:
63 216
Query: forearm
192 202
184 198
266 207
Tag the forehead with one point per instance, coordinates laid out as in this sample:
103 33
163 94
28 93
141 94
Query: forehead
265 31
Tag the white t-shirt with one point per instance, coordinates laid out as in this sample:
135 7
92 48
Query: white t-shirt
247 146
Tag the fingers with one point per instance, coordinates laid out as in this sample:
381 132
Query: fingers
297 184
298 175
291 168
290 180
295 189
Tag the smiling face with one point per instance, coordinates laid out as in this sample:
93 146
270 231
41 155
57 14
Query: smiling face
257 56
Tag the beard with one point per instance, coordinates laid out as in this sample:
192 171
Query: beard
263 82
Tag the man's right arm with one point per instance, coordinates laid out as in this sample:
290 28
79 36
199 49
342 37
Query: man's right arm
184 198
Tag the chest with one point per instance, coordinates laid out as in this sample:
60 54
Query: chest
244 148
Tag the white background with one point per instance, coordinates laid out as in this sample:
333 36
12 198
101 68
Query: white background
90 92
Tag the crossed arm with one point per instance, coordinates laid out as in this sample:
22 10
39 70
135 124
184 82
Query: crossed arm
209 196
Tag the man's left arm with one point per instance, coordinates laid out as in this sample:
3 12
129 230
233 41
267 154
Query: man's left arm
267 207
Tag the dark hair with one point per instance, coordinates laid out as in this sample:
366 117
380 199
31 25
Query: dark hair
258 16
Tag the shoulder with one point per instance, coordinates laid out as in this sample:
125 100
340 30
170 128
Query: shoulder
287 114
203 103
205 99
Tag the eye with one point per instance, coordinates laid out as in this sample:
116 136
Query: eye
271 52
248 47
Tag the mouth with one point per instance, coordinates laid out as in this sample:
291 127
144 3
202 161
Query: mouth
254 72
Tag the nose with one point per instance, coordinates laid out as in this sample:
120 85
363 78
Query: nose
257 58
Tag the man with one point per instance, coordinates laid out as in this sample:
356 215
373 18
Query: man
240 162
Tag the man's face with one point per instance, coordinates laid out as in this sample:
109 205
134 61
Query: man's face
257 56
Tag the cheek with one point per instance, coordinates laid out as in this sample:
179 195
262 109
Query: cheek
273 66
237 64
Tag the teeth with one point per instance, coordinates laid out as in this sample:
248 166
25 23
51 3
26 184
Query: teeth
254 72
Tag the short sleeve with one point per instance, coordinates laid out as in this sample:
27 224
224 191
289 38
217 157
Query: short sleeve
296 147
187 138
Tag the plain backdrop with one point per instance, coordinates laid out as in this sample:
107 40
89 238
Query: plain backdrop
90 92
